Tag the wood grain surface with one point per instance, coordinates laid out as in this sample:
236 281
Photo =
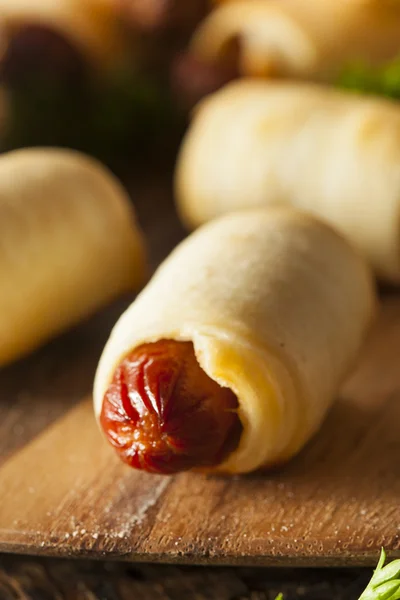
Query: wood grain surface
64 493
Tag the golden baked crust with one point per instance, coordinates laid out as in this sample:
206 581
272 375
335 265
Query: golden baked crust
332 153
92 26
312 39
276 305
69 244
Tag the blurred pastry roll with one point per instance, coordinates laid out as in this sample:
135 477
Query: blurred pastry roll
92 28
175 15
231 356
311 39
332 153
69 243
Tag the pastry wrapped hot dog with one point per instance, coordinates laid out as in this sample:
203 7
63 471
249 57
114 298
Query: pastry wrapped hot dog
311 39
177 15
231 356
332 153
68 245
79 76
57 56
65 31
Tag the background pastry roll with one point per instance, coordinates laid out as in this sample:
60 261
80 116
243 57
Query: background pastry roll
92 28
299 38
178 16
231 356
332 153
69 244
80 75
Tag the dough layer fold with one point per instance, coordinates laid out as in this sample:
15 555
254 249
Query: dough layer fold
69 243
276 305
334 154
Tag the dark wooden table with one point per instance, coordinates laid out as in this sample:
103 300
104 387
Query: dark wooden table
52 579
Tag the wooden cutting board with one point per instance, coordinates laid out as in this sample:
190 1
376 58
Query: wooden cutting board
64 493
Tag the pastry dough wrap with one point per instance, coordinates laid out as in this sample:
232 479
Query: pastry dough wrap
68 245
300 38
332 153
276 305
179 16
92 26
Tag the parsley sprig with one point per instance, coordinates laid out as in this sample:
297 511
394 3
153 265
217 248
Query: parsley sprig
384 583
382 81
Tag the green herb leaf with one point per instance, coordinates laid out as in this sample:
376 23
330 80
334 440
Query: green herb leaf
385 582
383 81
391 571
